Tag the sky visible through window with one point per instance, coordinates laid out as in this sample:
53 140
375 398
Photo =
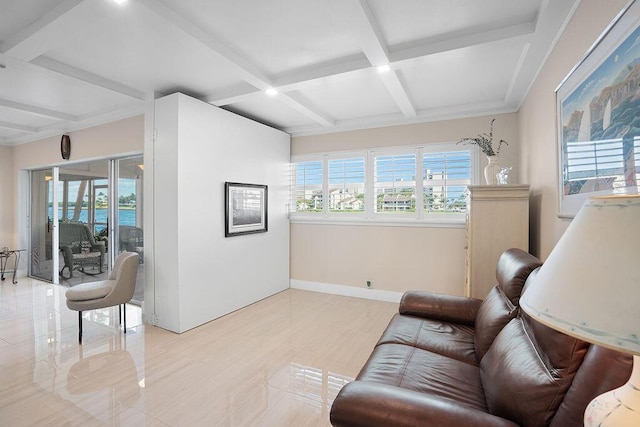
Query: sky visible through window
127 187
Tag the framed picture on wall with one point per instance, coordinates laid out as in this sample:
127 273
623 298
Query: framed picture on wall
245 209
598 120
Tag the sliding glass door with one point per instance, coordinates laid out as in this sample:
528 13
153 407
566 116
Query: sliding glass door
101 198
128 216
44 262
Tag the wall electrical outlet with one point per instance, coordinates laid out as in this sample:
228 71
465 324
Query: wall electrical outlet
368 283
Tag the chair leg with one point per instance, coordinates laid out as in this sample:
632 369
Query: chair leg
80 327
124 307
119 314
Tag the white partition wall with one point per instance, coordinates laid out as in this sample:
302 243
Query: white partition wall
199 274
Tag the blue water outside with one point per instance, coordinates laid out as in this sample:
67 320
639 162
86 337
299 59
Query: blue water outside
125 216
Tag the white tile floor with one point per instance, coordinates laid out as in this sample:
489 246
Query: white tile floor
279 362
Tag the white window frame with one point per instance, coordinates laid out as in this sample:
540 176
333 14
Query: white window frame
370 216
345 156
292 185
394 151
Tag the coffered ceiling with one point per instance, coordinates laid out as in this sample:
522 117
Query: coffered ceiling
70 64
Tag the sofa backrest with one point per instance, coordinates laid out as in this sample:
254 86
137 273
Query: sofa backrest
602 370
501 304
528 369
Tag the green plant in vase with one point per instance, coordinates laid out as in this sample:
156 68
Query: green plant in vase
484 141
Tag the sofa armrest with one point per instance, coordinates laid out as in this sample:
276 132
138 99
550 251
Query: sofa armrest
362 403
449 308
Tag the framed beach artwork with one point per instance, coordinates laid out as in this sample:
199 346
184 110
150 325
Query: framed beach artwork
245 209
598 106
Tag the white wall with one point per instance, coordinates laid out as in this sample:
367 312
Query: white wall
6 194
340 259
199 274
537 120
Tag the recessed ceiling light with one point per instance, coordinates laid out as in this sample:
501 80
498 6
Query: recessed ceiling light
271 91
120 1
383 68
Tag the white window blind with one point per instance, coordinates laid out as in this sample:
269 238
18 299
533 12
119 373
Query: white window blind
394 183
346 179
391 185
445 179
307 179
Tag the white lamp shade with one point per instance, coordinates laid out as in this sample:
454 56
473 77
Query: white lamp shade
589 287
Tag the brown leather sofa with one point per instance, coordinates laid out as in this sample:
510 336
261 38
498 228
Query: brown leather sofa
456 361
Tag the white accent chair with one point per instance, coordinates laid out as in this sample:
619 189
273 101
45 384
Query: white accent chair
116 290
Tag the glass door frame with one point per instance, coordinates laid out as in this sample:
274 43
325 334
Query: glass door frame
58 195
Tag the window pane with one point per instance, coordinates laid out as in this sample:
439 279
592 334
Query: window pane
394 183
346 185
445 179
308 186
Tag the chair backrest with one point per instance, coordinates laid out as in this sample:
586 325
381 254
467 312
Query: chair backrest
74 232
124 273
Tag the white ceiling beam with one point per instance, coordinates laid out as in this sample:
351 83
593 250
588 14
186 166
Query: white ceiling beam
311 76
90 120
246 71
296 80
34 39
14 126
301 107
553 17
232 95
87 77
517 72
420 48
366 30
37 110
428 115
244 68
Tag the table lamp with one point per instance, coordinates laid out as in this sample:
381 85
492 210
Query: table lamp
589 288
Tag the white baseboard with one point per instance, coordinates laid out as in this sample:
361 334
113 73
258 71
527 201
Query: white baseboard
348 291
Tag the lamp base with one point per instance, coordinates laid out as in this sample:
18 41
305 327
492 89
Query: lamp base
619 407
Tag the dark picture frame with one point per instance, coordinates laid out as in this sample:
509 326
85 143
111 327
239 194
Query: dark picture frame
246 209
598 125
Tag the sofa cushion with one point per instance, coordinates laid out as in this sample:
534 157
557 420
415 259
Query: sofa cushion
425 372
448 339
527 370
368 404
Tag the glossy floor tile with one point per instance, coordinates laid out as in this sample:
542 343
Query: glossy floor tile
279 362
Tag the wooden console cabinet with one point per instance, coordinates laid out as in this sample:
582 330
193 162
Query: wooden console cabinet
498 219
